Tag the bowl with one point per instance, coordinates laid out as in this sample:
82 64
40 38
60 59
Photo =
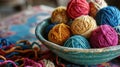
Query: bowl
77 55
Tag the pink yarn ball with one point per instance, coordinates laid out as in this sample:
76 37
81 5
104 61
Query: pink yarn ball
76 8
104 36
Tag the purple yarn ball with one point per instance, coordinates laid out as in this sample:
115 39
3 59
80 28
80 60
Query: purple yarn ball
104 36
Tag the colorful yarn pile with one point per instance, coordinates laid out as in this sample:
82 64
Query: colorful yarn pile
83 25
104 36
59 15
59 33
17 55
108 15
77 42
76 8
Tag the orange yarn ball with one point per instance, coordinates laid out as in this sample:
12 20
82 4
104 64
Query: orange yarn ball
59 33
59 15
83 25
95 6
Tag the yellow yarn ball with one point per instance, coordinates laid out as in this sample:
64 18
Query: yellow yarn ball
59 33
59 15
95 6
83 25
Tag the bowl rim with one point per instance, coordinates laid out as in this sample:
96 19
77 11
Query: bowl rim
66 49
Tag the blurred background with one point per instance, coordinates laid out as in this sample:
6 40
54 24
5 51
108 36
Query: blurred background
9 7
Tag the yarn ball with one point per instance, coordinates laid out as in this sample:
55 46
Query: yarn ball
48 28
117 29
83 25
108 15
118 38
101 3
95 6
59 15
59 33
76 8
77 42
104 36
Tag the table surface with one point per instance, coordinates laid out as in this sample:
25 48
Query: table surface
22 26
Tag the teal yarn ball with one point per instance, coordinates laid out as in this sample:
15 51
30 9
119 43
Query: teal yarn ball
77 41
109 15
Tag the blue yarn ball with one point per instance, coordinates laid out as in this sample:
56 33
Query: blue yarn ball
117 29
109 15
77 41
48 28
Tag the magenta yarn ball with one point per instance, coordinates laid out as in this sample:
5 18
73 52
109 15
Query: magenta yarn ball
76 8
104 36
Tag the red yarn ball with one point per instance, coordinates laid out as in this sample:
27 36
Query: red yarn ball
104 36
76 8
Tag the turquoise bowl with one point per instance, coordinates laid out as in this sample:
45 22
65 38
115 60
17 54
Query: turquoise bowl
77 55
